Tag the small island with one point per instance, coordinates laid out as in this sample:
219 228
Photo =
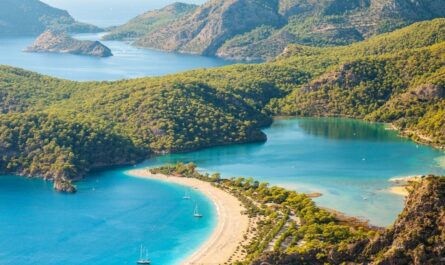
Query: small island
59 42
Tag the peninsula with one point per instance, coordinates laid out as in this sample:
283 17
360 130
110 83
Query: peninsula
59 42
260 224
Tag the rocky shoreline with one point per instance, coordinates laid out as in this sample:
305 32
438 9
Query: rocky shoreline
66 186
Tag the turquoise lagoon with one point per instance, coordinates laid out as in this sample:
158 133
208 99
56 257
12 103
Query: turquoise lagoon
103 224
112 214
349 161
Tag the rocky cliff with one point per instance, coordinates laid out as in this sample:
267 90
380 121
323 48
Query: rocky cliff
32 17
59 42
259 30
212 24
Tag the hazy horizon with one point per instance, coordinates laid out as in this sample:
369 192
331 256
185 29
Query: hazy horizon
110 12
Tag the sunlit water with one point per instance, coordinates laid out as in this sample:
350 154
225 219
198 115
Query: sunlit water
103 224
349 162
127 62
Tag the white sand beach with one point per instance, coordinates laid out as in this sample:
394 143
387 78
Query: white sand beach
401 184
399 190
231 227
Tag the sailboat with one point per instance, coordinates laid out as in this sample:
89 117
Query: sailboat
196 212
143 259
186 196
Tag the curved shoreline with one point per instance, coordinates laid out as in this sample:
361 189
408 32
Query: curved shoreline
401 184
231 223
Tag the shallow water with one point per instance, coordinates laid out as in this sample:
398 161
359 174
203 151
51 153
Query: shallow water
104 223
127 62
348 161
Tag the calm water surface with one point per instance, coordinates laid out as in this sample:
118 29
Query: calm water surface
348 161
103 224
127 62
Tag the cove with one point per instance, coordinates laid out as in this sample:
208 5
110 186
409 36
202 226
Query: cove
103 224
127 62
348 161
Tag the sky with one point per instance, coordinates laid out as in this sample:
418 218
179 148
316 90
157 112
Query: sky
110 12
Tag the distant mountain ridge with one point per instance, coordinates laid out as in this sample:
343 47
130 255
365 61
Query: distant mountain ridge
254 30
150 21
33 17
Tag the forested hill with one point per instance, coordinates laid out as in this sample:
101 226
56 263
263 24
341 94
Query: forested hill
150 21
397 77
32 17
61 129
260 30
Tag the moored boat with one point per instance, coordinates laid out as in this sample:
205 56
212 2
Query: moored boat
196 212
143 257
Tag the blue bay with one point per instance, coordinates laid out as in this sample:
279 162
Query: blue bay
104 223
127 62
348 161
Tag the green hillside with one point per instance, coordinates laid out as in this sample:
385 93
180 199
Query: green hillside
61 129
150 21
32 17
130 119
396 77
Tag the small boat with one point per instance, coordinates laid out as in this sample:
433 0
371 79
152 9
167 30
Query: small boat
186 196
196 212
143 257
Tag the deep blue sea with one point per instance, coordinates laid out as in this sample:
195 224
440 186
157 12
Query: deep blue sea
127 62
